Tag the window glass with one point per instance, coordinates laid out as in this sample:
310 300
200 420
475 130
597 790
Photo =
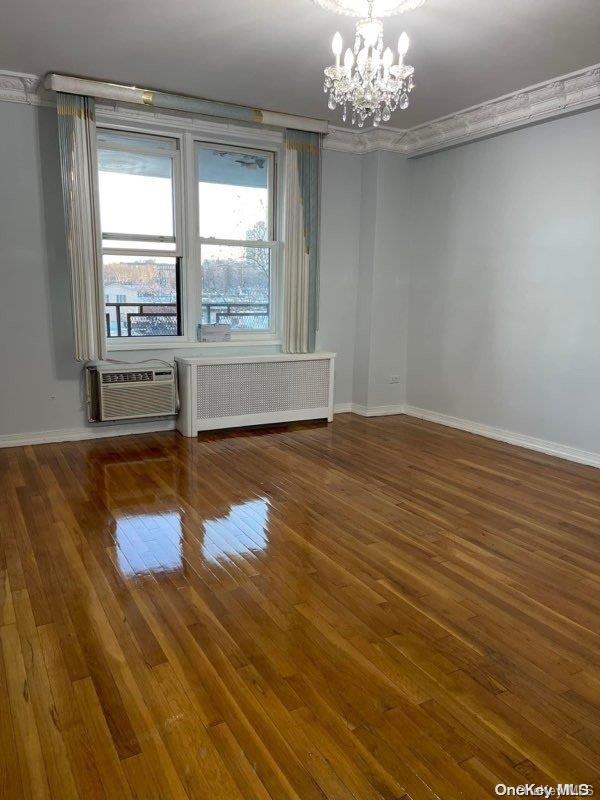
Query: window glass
140 295
136 193
233 192
136 180
236 286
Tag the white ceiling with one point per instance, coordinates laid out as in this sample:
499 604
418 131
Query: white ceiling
270 53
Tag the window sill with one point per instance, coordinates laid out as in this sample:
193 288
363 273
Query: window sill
121 347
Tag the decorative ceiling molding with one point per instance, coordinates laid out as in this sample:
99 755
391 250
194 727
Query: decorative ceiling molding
22 87
548 100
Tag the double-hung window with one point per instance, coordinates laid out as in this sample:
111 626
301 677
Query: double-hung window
236 228
138 186
189 236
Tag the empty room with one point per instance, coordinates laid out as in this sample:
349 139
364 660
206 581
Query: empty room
300 399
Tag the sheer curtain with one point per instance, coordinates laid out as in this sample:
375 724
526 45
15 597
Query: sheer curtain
77 142
301 269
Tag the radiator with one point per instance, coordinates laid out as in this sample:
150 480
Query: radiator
231 392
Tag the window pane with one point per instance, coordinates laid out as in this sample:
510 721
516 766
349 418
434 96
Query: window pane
233 194
140 294
136 195
236 286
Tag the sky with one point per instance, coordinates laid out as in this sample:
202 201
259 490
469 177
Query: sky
143 204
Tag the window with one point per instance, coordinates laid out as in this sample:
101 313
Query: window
137 181
236 230
188 236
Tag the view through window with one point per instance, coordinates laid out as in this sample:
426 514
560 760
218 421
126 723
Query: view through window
140 251
233 243
236 235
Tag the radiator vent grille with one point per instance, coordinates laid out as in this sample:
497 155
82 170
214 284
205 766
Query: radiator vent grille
229 390
128 401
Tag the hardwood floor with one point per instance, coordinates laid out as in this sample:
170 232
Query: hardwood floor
379 608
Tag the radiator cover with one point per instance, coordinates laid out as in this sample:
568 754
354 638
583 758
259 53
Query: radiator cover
253 390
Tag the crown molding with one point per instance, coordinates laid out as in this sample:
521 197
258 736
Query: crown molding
548 100
23 87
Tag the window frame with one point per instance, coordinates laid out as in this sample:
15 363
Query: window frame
189 133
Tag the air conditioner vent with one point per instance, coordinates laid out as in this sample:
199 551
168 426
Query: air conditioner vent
124 402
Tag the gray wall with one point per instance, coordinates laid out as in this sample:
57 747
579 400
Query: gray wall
40 379
500 241
340 229
41 385
505 282
382 294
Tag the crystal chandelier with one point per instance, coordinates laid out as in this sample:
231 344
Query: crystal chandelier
368 84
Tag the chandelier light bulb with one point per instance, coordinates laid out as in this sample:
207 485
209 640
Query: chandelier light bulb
388 58
348 59
337 44
403 44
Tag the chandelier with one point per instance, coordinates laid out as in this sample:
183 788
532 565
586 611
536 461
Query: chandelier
370 83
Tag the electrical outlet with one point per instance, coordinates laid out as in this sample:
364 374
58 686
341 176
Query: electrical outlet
394 378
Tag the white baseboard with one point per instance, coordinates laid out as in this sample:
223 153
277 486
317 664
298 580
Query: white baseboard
377 411
502 435
91 432
342 408
367 411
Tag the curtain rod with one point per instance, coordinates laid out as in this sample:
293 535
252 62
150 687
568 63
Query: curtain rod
177 102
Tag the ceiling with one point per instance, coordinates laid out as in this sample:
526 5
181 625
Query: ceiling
270 53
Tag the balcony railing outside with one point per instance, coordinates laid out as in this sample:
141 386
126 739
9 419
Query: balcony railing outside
160 319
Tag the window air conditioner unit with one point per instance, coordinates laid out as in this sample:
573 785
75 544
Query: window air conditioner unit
120 392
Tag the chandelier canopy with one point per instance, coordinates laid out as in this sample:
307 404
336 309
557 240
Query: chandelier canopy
368 84
360 8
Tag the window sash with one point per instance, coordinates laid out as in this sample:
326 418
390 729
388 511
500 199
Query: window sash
176 192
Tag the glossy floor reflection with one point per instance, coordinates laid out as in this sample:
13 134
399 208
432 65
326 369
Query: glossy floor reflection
149 543
241 533
375 609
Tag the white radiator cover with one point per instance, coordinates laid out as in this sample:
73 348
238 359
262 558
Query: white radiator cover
231 392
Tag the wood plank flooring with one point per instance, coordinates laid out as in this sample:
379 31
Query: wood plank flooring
378 608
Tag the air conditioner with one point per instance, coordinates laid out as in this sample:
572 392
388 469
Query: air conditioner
120 392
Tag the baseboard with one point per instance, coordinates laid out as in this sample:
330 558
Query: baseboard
342 408
367 411
91 432
377 411
502 435
499 434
